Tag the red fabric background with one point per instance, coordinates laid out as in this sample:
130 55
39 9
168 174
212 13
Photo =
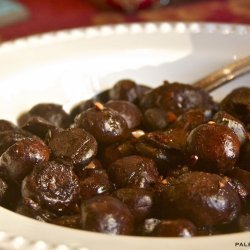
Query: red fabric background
50 15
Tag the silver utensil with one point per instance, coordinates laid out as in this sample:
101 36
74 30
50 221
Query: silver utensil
224 75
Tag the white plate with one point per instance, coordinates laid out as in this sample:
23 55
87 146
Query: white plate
68 66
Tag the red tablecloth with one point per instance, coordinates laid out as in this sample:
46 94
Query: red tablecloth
50 15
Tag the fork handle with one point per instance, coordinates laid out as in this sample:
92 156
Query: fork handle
220 77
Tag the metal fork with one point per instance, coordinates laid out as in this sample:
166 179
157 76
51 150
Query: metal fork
224 75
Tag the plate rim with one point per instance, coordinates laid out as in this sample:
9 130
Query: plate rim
125 28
